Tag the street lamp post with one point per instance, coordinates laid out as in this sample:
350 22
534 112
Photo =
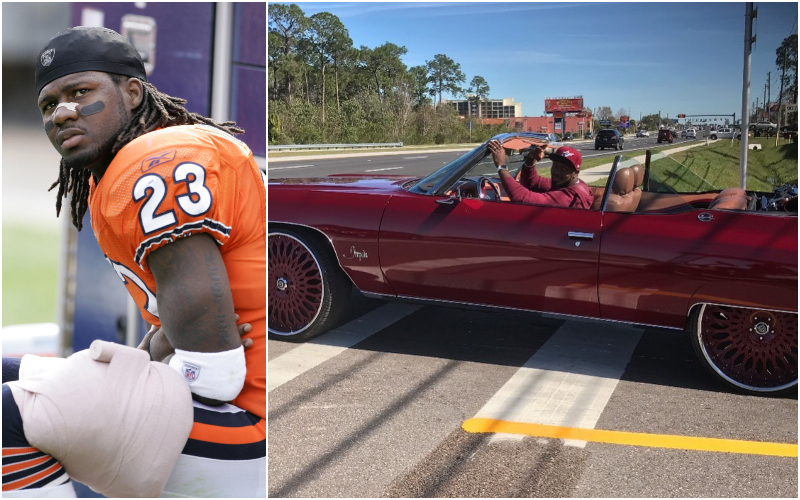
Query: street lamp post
748 45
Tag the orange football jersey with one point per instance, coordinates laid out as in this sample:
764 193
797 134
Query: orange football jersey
175 182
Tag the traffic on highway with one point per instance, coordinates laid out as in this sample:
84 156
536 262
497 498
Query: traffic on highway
423 162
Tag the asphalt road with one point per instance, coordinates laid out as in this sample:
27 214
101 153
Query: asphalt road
421 163
376 409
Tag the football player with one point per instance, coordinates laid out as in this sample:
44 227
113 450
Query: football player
178 207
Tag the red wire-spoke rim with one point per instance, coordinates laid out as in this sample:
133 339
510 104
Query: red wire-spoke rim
754 349
296 286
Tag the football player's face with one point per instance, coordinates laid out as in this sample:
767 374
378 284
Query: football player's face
83 140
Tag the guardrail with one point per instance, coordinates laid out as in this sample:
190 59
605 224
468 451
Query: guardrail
291 147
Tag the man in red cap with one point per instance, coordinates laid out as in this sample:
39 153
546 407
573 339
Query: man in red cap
564 189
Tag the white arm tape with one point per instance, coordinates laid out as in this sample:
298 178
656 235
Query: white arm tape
215 375
31 365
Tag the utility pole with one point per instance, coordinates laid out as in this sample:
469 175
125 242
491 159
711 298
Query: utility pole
769 97
750 14
764 102
780 99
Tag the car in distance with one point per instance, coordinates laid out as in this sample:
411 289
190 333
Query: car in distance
550 139
642 133
690 133
723 133
609 138
651 253
588 135
761 128
665 135
567 137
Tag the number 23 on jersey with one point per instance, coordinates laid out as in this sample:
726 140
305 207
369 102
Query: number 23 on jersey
153 187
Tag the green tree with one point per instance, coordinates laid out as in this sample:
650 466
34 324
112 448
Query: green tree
649 122
786 55
419 85
326 36
445 75
288 22
341 48
479 89
384 66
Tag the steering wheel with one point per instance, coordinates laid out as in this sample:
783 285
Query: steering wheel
484 194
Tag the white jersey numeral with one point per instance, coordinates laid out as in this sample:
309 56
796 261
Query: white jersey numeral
148 218
196 202
195 186
123 272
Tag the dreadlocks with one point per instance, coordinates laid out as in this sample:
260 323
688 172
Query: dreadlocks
156 110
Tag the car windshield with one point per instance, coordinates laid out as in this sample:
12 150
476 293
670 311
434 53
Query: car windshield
605 133
481 161
426 185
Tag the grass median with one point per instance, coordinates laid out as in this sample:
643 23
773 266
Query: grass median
716 166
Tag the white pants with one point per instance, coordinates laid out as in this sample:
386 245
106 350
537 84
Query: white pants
195 476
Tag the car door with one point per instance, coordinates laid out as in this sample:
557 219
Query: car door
493 253
652 264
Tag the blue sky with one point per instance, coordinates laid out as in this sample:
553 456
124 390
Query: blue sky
645 57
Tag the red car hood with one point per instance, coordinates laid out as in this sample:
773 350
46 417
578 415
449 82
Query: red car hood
348 182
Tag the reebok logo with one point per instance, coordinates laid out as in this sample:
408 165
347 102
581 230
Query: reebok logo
151 162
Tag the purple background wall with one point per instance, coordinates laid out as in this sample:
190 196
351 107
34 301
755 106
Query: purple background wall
184 40
249 74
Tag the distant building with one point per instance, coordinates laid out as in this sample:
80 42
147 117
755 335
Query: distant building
490 108
574 124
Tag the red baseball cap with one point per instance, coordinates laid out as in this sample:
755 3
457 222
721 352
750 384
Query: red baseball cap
568 155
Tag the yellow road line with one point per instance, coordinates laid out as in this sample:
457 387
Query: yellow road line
477 425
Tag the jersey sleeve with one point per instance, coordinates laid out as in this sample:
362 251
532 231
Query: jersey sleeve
174 193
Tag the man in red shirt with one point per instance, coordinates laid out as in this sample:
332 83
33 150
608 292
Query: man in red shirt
564 189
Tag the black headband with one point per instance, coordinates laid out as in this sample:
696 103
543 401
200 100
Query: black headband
85 48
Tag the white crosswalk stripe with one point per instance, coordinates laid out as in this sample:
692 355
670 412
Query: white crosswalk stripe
306 356
569 380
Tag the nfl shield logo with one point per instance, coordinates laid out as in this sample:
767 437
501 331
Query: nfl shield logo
47 57
190 372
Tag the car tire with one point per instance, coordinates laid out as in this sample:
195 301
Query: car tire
308 291
713 137
753 351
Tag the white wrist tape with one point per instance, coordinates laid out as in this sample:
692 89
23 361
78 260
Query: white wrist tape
31 365
215 375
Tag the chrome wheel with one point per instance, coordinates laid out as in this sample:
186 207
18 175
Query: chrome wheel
754 350
296 285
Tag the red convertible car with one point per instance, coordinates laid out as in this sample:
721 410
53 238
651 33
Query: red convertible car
720 264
